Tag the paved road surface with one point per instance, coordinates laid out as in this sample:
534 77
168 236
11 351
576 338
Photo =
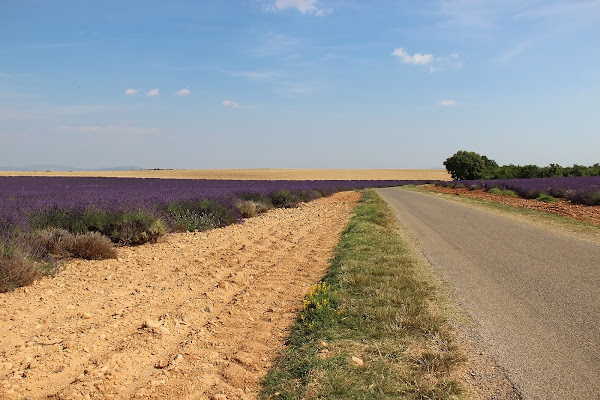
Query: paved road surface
535 294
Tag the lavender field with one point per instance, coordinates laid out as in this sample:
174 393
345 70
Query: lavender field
44 219
24 199
581 189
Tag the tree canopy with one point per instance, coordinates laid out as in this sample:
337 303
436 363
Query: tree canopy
468 165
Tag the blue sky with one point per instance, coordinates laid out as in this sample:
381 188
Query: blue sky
298 83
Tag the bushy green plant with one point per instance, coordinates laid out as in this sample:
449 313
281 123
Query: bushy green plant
319 306
468 165
137 227
546 198
284 199
71 220
200 215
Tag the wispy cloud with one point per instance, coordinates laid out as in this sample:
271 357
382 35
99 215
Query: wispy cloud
230 103
183 92
516 50
416 58
304 6
448 103
153 92
485 15
258 75
435 63
129 92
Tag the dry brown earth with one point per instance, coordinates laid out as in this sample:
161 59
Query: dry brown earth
258 174
195 316
565 208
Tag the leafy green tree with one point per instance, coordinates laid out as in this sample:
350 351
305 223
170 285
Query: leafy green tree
467 165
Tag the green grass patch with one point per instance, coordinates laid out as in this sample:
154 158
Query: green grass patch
376 304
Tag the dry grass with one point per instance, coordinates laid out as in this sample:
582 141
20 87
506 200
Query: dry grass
379 305
258 174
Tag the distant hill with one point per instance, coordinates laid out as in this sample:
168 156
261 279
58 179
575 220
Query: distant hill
43 167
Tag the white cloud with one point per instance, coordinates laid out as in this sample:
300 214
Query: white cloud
183 92
435 63
417 58
129 92
153 92
230 103
448 103
304 6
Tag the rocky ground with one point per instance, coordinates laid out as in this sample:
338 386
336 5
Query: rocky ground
561 207
197 315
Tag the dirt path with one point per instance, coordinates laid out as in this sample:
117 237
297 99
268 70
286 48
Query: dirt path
195 316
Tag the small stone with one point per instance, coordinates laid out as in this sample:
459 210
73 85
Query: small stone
70 307
224 285
357 361
219 396
86 315
7 365
178 358
164 330
151 324
208 309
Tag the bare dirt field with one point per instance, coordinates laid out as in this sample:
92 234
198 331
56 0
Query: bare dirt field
258 174
195 316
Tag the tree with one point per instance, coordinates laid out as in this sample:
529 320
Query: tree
468 165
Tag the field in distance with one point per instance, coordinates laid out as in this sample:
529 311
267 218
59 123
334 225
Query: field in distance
256 174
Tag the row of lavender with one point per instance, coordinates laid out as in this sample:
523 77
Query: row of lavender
30 202
581 190
44 219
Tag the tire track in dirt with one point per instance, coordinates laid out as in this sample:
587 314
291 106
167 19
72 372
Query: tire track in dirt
194 316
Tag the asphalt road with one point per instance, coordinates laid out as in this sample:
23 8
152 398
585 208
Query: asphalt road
534 294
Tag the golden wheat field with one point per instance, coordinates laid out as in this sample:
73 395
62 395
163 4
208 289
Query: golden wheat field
256 174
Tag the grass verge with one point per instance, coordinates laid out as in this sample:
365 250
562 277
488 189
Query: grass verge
374 327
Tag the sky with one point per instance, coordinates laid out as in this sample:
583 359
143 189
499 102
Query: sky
298 83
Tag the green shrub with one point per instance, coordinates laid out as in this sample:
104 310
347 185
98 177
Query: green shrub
137 227
199 216
495 190
284 199
546 198
71 220
247 208
319 307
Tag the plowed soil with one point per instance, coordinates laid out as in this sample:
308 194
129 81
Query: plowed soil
195 316
562 207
